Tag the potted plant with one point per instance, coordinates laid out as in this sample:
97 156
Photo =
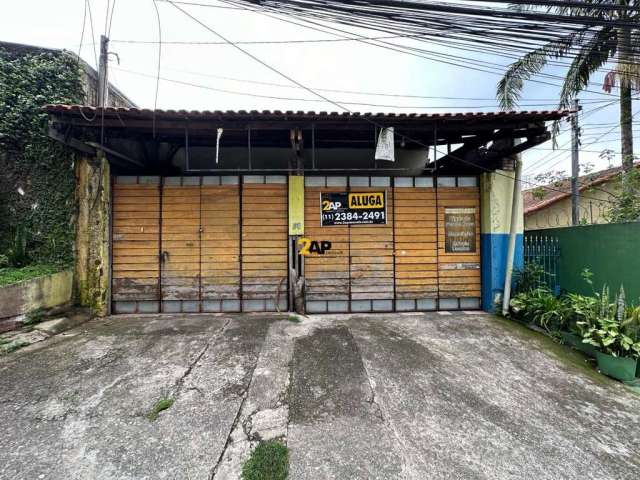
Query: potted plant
584 315
617 338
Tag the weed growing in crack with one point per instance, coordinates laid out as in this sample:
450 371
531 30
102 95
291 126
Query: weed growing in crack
159 406
12 347
269 461
294 319
34 316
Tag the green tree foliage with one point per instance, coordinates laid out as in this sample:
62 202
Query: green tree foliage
589 50
37 181
625 207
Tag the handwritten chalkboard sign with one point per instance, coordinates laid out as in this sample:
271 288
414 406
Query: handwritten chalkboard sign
460 230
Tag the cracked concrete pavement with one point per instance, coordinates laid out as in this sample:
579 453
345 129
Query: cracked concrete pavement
407 396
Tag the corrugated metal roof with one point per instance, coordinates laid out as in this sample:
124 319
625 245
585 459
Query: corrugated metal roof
530 115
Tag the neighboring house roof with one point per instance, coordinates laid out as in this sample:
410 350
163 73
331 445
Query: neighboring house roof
24 49
539 198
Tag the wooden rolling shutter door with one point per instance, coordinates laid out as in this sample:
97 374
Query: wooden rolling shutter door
265 267
326 276
136 242
415 244
181 244
220 253
371 259
458 273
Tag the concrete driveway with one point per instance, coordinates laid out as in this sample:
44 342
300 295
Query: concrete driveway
412 396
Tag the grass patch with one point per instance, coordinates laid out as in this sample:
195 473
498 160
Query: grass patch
269 461
294 319
34 316
11 275
159 406
12 347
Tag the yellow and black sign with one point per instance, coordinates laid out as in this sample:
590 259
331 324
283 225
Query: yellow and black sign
308 247
355 208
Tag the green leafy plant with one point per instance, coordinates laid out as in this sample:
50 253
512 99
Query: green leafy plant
37 180
159 406
610 337
10 275
616 327
269 461
34 316
541 307
18 256
625 206
584 312
12 346
530 277
631 323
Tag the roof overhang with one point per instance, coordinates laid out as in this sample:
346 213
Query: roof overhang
484 136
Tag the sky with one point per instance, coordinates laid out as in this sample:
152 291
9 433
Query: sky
219 77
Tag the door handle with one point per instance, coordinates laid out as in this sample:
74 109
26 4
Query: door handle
164 256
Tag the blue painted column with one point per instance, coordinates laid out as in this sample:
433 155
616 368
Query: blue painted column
496 197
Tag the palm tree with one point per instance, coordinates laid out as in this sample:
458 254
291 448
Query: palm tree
590 49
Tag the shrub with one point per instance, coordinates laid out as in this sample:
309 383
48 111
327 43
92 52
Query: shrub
604 322
530 277
543 308
615 329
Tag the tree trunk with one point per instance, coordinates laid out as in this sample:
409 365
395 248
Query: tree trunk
626 116
626 127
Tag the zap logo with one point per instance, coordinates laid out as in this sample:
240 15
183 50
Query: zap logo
307 247
329 206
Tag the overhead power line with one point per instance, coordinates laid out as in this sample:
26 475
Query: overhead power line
323 97
93 36
155 101
565 4
536 101
448 59
394 9
312 100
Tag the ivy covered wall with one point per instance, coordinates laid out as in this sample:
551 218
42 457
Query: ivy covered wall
36 173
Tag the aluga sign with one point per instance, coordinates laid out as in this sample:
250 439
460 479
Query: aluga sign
357 208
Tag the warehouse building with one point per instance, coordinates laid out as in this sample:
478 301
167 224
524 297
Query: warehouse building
274 211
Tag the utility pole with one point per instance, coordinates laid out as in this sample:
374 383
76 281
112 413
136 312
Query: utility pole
575 166
103 81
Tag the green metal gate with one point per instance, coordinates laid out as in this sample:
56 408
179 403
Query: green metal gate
544 251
